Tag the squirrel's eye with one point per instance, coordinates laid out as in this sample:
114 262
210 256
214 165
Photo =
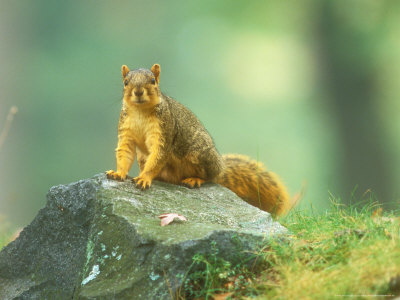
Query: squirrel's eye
153 81
126 82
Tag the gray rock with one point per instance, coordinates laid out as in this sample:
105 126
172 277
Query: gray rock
101 239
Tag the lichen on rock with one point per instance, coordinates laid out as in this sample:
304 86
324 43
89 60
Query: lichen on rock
102 239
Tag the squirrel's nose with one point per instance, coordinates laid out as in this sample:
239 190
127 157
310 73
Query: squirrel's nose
139 93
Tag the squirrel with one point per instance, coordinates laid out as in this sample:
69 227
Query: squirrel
172 145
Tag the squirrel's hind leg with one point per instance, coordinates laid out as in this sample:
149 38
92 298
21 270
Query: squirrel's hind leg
193 182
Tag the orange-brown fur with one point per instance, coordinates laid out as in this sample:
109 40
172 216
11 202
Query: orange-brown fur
171 145
253 183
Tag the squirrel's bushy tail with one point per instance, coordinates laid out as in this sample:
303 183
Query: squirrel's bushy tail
253 183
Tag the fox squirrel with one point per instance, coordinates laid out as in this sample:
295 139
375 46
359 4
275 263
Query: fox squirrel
172 145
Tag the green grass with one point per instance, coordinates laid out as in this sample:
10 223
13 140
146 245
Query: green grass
345 251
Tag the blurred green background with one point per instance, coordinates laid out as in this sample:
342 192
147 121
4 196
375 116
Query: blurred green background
310 88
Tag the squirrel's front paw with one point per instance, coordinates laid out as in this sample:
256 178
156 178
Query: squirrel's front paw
143 182
115 175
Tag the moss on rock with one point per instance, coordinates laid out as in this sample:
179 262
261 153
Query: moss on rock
102 239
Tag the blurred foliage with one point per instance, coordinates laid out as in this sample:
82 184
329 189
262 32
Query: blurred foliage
263 76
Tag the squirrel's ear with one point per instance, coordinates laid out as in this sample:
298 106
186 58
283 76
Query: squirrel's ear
124 70
156 71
